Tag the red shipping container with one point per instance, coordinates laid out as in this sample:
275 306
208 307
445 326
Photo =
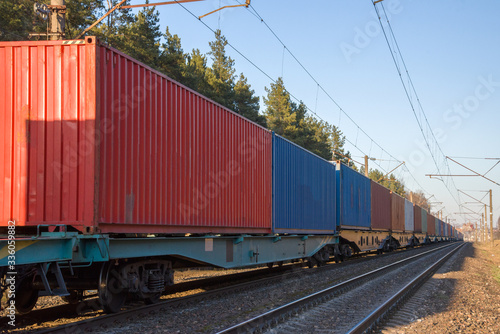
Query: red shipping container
397 212
381 207
95 139
431 224
417 215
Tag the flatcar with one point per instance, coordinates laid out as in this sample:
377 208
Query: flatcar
114 175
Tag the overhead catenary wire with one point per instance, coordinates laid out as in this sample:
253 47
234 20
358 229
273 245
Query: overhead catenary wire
410 91
320 87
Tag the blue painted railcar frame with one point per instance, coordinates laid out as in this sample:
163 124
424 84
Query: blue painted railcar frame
219 251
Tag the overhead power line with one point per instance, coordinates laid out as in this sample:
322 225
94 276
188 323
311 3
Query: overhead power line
319 87
411 93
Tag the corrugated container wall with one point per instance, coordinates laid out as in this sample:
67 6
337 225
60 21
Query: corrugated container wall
431 224
397 212
353 198
424 221
417 217
303 190
48 112
409 222
381 207
437 224
174 158
107 144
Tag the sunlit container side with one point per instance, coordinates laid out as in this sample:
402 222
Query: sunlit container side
424 221
100 141
417 218
409 222
175 160
431 224
380 207
48 112
303 190
353 198
397 213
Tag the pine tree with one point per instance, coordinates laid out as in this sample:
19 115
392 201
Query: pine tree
115 29
291 121
172 58
339 154
80 15
143 41
195 72
221 76
318 135
18 20
279 115
246 103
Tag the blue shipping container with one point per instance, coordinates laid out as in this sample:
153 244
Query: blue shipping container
353 198
438 226
303 190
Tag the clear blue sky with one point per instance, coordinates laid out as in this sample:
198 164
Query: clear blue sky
452 52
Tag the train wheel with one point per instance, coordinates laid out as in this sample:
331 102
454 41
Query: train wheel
346 251
26 296
111 292
270 265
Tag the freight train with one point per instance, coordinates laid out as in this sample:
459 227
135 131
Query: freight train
114 175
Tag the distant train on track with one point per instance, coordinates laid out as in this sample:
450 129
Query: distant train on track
114 175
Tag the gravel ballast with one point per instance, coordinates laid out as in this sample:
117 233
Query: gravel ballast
462 297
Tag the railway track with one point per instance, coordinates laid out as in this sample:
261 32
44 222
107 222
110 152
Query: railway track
91 307
317 312
96 320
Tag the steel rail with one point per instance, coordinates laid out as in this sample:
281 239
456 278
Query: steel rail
376 317
136 312
262 321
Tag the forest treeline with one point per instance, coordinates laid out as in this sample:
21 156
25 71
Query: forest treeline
213 74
